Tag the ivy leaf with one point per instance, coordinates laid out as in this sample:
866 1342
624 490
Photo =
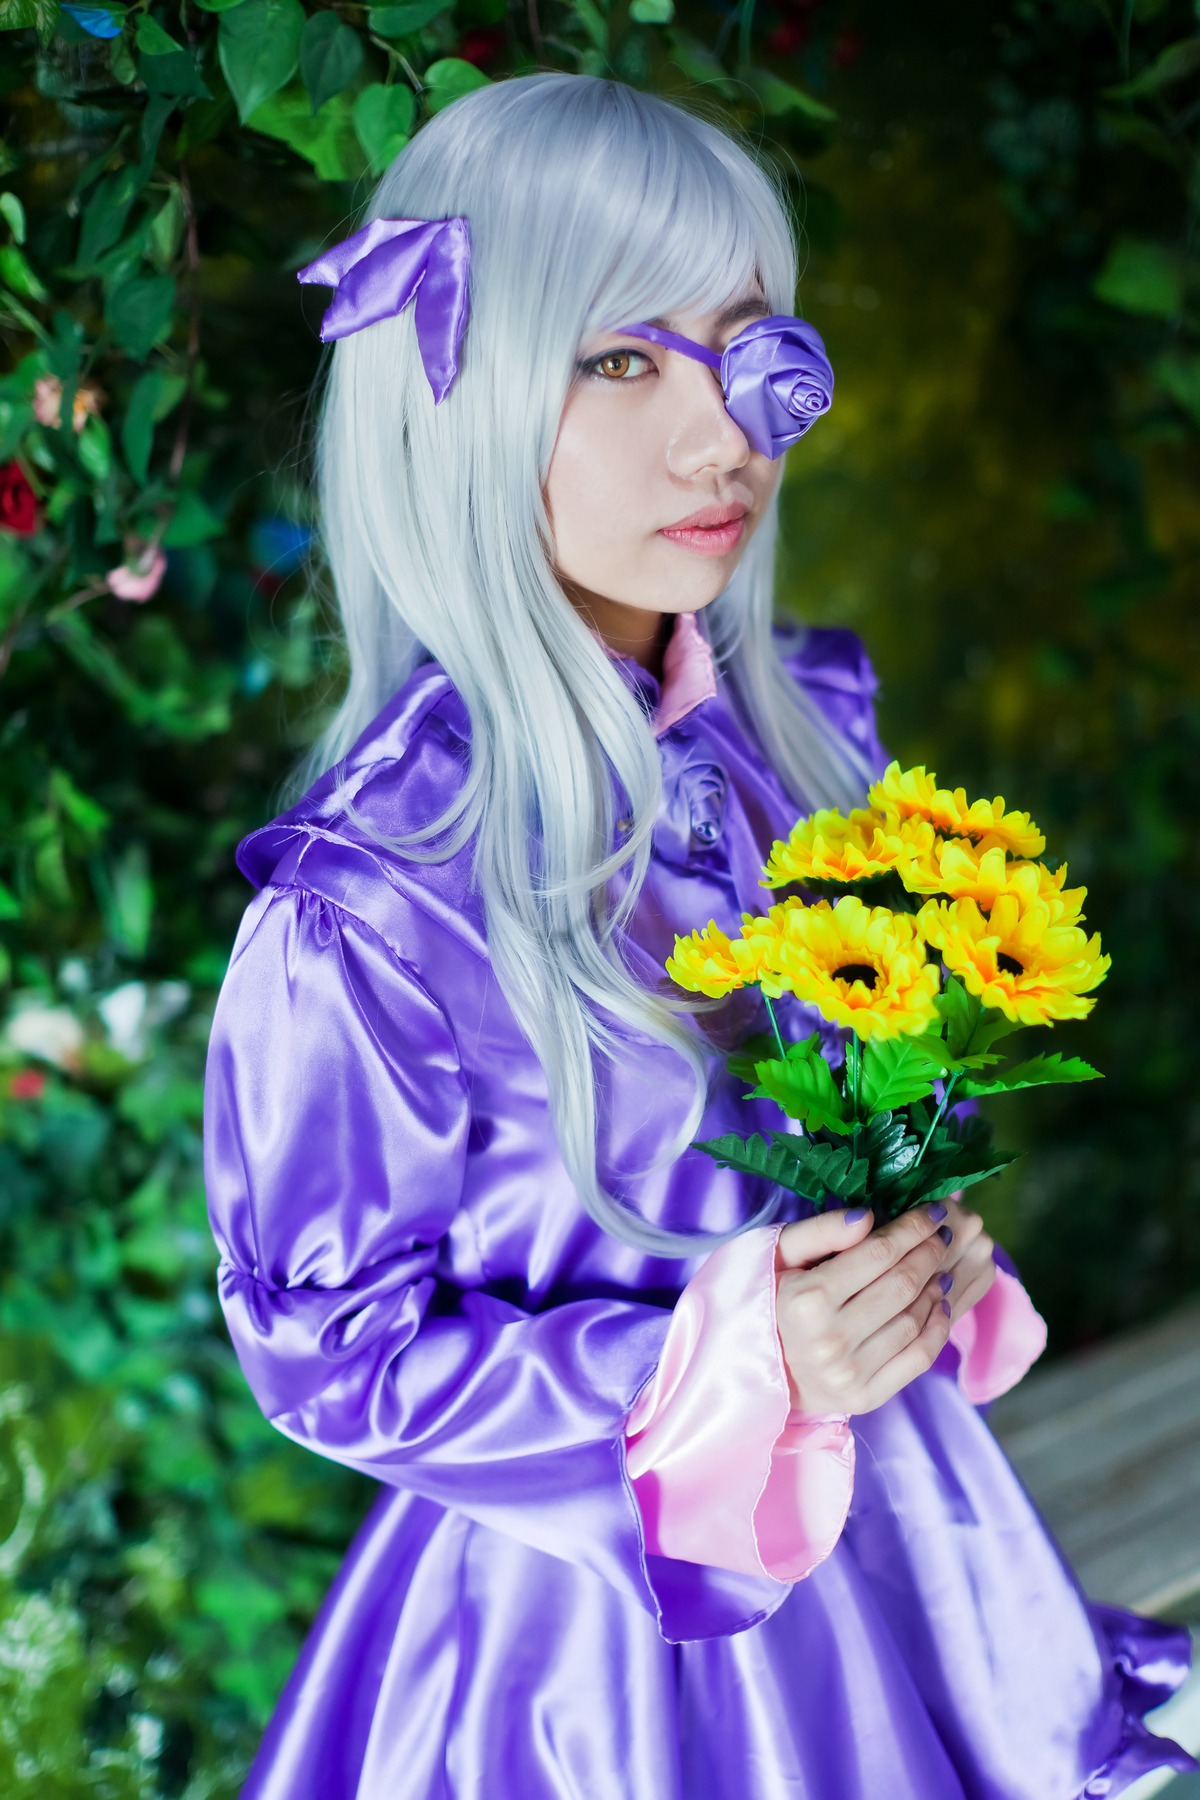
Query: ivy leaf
1039 1071
329 142
258 44
383 120
451 77
139 312
899 1070
331 55
152 40
402 21
804 1087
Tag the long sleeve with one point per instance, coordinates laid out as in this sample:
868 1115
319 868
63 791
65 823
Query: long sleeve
725 1471
337 1126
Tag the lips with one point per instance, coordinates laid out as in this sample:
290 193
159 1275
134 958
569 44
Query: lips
709 517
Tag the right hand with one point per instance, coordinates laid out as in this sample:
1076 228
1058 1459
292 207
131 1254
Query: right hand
859 1311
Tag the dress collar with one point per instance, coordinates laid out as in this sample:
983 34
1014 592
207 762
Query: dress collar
688 674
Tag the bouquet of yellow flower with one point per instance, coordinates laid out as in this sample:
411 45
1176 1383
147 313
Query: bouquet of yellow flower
932 930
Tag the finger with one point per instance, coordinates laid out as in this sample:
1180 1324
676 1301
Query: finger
809 1241
897 1288
963 1296
898 1332
881 1251
908 1363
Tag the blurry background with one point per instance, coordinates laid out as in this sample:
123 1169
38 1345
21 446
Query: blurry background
1000 206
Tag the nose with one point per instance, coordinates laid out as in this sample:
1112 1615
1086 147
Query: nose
705 436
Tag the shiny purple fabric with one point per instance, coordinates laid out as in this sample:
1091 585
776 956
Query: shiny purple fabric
413 1289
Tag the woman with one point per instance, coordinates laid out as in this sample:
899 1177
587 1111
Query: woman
629 1542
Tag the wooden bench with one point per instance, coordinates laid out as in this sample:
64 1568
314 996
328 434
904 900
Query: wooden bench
1107 1441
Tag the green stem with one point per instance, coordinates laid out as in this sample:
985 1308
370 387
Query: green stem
775 1027
745 21
942 1105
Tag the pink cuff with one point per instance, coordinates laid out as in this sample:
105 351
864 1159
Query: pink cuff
724 1471
997 1339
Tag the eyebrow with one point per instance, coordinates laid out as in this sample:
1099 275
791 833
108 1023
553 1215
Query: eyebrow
751 308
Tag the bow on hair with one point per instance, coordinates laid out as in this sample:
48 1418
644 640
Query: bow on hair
378 270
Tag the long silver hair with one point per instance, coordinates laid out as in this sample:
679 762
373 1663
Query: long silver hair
588 201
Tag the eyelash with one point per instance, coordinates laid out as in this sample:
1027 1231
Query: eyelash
590 368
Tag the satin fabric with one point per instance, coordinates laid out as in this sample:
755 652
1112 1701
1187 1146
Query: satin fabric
725 1471
413 1289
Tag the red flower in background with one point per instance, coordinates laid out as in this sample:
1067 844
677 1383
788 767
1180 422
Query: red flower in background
788 37
27 1084
18 502
482 46
847 49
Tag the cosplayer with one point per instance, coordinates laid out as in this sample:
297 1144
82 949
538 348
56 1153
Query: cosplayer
686 1493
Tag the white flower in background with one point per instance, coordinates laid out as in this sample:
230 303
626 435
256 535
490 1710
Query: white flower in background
130 1012
73 976
51 1032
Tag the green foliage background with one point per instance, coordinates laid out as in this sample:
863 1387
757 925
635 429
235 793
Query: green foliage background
1001 209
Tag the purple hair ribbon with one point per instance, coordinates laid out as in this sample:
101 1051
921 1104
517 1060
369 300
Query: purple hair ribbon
775 375
377 272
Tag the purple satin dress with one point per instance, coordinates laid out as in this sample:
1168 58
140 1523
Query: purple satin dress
413 1289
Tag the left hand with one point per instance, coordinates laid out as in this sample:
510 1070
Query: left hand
968 1258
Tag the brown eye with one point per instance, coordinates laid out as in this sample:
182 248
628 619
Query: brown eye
613 365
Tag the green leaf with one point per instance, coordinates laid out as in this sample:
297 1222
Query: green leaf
166 231
779 96
17 275
1039 1071
139 311
383 121
152 40
652 12
1141 276
805 1088
86 814
754 1156
331 55
95 448
760 1047
402 21
192 522
941 1190
218 6
890 1150
971 1028
137 426
258 46
1178 374
450 78
105 214
9 905
698 62
14 215
1175 63
899 1070
329 142
827 1168
175 77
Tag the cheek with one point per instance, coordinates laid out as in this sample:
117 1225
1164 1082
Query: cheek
595 478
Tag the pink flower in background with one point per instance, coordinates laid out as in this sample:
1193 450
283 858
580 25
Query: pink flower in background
47 402
27 1084
138 579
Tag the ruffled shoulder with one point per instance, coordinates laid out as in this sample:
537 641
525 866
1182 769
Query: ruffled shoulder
831 663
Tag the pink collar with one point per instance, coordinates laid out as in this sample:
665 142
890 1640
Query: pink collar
688 675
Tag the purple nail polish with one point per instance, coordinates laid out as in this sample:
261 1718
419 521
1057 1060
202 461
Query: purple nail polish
946 1308
945 1281
945 1233
937 1210
853 1214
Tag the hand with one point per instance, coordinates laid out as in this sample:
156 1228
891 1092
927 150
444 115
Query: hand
860 1312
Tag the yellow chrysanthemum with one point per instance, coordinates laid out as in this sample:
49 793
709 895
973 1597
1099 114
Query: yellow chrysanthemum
965 871
703 963
1024 961
834 846
914 793
860 966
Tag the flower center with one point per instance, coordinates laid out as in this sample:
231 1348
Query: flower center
857 972
1008 965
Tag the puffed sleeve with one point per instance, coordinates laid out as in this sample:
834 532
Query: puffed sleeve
336 1125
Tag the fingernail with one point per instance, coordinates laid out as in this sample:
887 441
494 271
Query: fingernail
945 1233
945 1281
854 1213
946 1308
937 1210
